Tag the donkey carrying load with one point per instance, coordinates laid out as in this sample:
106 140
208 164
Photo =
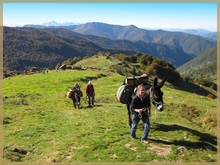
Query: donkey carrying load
75 94
127 91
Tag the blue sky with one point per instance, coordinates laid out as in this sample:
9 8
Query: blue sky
142 15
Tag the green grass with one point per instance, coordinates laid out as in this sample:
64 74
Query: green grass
38 119
103 63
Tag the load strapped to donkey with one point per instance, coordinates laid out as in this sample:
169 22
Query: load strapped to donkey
75 94
126 90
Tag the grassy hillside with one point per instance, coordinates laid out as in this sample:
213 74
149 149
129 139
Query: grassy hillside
41 125
105 62
202 67
199 62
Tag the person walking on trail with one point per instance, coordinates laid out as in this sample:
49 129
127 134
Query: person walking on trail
140 108
90 93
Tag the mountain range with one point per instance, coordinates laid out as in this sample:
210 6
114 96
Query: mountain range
201 32
181 40
23 49
43 45
169 53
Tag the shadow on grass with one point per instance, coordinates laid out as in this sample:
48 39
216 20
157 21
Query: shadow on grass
191 87
204 139
89 107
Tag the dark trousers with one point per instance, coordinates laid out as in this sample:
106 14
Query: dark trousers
90 99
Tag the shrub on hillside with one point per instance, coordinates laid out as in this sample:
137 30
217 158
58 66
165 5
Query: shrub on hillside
203 81
122 57
72 61
206 82
212 122
160 71
187 78
189 112
156 67
211 96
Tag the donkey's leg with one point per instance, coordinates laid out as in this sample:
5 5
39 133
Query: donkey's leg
129 115
78 105
76 98
74 103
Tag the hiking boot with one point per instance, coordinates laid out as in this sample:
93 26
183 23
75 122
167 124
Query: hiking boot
133 137
145 141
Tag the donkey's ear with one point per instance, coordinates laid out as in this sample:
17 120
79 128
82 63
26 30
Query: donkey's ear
162 82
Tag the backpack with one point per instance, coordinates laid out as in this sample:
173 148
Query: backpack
124 93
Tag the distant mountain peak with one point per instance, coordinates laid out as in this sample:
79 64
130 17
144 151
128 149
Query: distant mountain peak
132 26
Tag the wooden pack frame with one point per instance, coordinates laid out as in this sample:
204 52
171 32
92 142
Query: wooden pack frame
136 80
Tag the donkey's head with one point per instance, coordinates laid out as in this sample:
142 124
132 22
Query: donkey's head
156 95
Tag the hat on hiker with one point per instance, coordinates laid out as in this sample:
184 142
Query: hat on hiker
90 82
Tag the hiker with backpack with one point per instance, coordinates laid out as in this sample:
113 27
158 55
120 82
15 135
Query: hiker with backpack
140 108
90 93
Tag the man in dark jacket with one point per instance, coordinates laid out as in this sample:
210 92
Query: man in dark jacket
90 93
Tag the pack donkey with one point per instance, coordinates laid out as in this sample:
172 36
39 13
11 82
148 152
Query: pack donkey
156 96
75 94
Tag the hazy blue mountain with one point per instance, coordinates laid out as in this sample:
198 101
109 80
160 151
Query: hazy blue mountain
190 31
212 35
199 31
191 44
169 53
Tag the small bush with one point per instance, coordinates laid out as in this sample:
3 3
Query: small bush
189 112
212 122
211 96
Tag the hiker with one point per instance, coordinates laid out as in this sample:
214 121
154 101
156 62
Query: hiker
90 93
140 108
